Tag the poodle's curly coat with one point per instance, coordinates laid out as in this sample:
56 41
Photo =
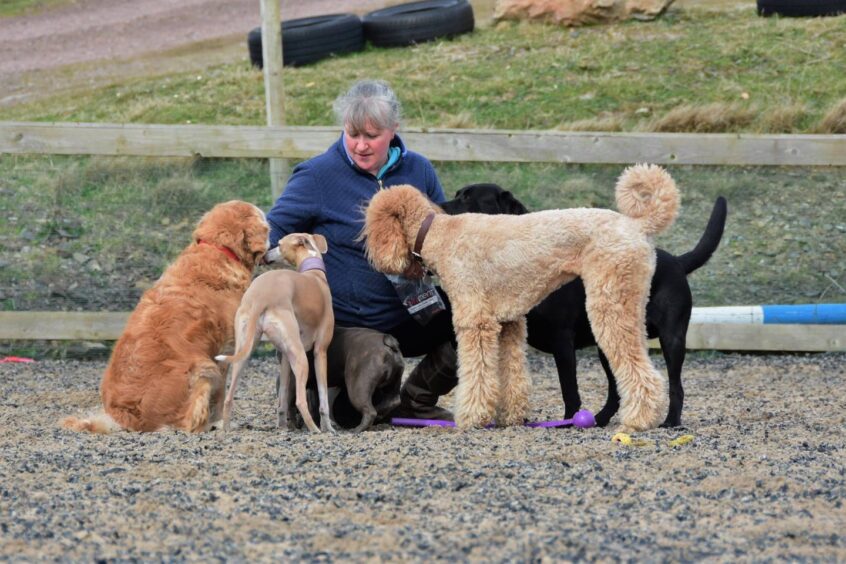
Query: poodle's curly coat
496 268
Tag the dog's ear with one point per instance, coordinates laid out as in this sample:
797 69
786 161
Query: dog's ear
238 226
461 191
253 236
385 244
472 192
511 205
386 248
256 239
225 225
321 243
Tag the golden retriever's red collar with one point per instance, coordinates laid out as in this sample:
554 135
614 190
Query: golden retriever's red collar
225 250
417 268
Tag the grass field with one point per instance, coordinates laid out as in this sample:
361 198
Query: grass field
92 233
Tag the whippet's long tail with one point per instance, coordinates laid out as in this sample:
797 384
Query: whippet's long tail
648 194
246 340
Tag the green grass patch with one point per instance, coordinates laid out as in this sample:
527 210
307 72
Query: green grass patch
92 233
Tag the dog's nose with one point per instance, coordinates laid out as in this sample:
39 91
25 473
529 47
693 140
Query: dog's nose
272 255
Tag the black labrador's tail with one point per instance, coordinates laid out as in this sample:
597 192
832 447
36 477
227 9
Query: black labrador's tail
710 239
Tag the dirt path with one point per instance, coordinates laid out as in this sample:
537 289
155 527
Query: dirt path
93 42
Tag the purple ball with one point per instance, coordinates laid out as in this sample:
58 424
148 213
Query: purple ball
584 419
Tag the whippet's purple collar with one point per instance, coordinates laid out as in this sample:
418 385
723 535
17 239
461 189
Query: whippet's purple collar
312 263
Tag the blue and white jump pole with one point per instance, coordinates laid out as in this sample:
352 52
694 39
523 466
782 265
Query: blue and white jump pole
811 314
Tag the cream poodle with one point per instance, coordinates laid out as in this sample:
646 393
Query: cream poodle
495 268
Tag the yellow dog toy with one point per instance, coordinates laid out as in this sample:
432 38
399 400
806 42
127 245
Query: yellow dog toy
625 439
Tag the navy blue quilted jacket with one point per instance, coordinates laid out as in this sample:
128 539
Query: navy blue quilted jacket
327 195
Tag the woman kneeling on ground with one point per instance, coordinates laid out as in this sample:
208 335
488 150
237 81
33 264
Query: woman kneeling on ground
327 194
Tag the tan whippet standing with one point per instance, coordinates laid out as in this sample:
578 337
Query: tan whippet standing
294 310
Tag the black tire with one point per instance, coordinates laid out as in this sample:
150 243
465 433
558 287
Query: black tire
801 8
417 22
306 40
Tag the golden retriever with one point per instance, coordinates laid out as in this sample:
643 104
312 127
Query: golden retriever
162 372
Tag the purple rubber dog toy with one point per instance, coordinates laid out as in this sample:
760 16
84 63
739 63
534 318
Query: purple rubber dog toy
582 419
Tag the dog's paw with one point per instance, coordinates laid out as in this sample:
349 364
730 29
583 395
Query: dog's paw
512 419
467 422
602 418
641 419
671 422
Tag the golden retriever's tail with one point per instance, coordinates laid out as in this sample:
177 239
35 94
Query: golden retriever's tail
101 423
246 340
648 194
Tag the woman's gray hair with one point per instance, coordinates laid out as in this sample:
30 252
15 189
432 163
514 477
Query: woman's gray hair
368 100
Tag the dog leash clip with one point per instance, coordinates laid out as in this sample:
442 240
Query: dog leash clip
416 269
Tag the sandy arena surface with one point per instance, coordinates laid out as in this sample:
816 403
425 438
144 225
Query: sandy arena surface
764 478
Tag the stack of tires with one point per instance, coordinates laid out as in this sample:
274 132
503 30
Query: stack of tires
307 40
417 22
801 8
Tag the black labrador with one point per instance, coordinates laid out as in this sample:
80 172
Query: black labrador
559 324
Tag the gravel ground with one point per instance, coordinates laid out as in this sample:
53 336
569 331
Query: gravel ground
763 480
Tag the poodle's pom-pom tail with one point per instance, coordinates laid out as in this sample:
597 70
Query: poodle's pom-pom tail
649 194
100 423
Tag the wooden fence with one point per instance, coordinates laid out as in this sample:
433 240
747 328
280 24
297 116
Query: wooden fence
438 145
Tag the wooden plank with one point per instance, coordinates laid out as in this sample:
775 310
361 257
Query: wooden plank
437 144
274 94
164 140
760 337
62 325
657 148
107 326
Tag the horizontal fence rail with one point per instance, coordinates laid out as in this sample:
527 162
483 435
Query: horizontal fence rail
436 144
107 326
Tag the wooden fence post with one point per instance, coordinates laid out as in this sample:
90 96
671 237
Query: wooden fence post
271 49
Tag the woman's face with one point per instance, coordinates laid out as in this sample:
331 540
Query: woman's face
369 147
